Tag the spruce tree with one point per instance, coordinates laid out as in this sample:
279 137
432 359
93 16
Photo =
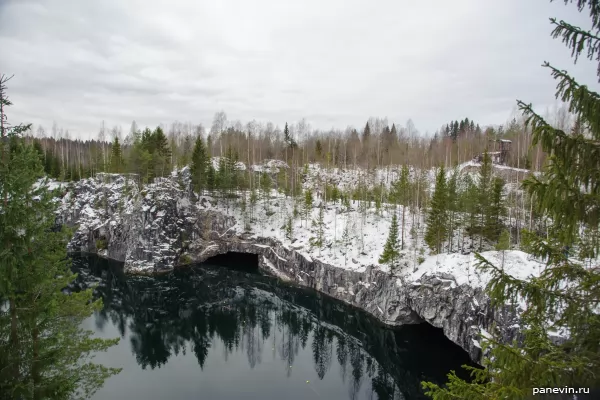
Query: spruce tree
199 167
287 138
44 352
231 158
455 130
366 133
289 228
391 249
496 210
452 205
566 295
318 226
161 152
308 203
222 177
211 178
318 149
469 205
346 241
484 189
116 157
437 218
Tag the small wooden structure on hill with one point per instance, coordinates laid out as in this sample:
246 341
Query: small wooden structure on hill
500 153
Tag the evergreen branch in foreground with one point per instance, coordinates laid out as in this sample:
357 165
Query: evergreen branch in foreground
593 5
577 40
582 101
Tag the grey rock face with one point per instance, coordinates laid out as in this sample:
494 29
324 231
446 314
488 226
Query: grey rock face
164 226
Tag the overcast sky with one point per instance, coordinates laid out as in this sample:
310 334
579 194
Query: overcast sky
334 62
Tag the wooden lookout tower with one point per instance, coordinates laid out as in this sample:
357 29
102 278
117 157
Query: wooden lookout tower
503 150
499 155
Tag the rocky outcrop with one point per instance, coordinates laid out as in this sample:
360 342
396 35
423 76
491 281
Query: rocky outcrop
460 311
164 225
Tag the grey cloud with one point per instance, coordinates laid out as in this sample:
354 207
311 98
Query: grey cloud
336 63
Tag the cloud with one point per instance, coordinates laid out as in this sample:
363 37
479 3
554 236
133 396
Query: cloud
336 63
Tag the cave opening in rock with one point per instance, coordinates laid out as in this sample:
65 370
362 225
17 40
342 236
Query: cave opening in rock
437 343
239 261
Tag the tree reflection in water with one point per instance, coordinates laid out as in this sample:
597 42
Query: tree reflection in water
188 310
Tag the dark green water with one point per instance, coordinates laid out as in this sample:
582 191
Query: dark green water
215 333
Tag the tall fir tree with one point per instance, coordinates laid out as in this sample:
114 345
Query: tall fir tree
346 240
308 203
391 249
222 177
318 150
318 230
437 218
211 178
161 152
116 157
484 191
453 204
469 205
289 228
366 133
496 210
566 294
394 133
199 167
231 171
44 352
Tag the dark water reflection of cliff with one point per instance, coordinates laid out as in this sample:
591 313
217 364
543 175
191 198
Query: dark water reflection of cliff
216 333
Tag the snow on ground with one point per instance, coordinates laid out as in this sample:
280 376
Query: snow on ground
367 237
473 163
50 184
351 178
462 266
269 166
271 215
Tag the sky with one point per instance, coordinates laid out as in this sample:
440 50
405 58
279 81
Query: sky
333 62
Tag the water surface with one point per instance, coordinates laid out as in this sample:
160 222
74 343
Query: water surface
218 333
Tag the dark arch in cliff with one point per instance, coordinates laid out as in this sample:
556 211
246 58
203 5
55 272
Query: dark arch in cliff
235 260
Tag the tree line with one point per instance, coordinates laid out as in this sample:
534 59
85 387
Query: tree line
377 144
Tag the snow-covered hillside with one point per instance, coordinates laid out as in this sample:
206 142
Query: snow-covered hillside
367 234
159 226
354 234
353 237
